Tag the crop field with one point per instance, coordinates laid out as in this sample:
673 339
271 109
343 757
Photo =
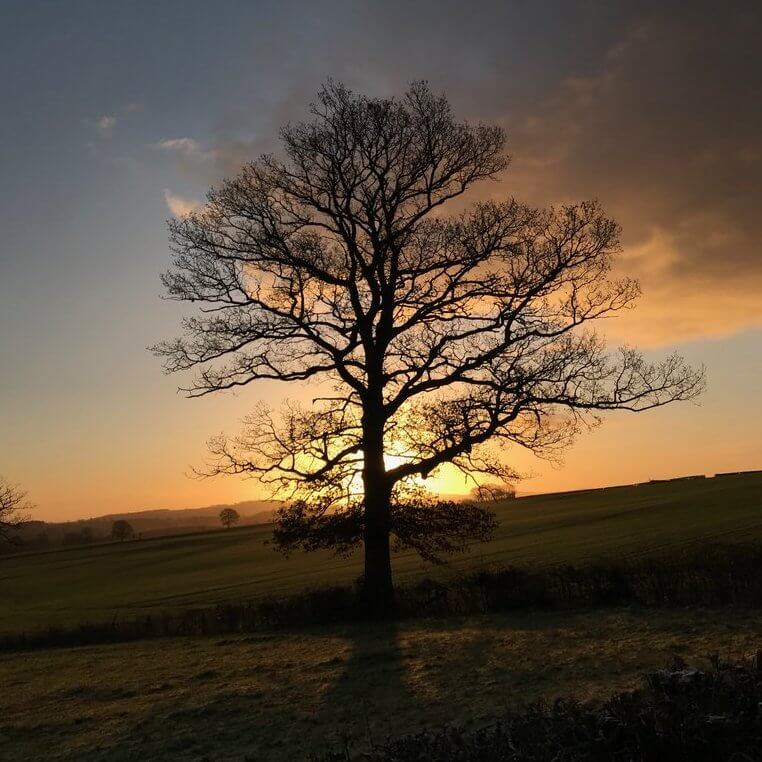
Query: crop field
100 582
281 696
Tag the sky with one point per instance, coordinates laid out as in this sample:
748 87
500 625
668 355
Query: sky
117 115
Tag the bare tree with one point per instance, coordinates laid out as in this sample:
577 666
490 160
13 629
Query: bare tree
14 508
228 517
437 339
121 530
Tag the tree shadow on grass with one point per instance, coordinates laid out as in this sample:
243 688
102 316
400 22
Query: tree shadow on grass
320 691
288 695
373 697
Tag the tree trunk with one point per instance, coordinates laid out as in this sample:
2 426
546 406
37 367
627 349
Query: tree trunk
377 584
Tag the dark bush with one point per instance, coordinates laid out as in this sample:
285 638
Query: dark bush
681 715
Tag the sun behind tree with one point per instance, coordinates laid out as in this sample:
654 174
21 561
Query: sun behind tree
443 339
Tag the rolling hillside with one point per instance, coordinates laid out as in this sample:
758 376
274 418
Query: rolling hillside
173 573
44 535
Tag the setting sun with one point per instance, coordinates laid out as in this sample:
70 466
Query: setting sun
447 480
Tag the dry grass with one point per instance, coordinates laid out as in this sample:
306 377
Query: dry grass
278 697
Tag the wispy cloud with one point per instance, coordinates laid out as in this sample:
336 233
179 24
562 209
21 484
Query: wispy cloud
179 206
185 148
180 145
190 158
106 123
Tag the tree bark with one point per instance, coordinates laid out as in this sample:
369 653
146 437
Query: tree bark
378 589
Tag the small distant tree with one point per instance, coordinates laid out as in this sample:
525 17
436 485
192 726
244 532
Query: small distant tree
14 507
228 517
121 530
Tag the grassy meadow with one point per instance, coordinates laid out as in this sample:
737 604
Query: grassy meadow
284 695
281 696
100 582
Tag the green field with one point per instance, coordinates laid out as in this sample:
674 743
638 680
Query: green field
97 583
277 697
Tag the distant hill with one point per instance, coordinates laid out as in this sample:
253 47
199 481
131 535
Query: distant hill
251 512
149 523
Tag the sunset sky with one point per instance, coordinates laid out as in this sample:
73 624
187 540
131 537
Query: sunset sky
117 115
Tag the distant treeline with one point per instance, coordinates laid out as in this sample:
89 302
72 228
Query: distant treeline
40 535
44 535
681 715
708 576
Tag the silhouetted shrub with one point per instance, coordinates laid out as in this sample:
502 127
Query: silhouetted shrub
681 715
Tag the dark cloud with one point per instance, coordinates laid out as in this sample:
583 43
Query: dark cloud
668 134
654 109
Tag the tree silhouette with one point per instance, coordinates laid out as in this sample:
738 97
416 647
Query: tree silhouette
14 506
228 517
121 530
436 338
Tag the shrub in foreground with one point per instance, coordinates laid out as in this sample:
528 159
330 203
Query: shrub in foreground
681 715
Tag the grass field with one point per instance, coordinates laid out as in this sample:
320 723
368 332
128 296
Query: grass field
277 697
97 583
